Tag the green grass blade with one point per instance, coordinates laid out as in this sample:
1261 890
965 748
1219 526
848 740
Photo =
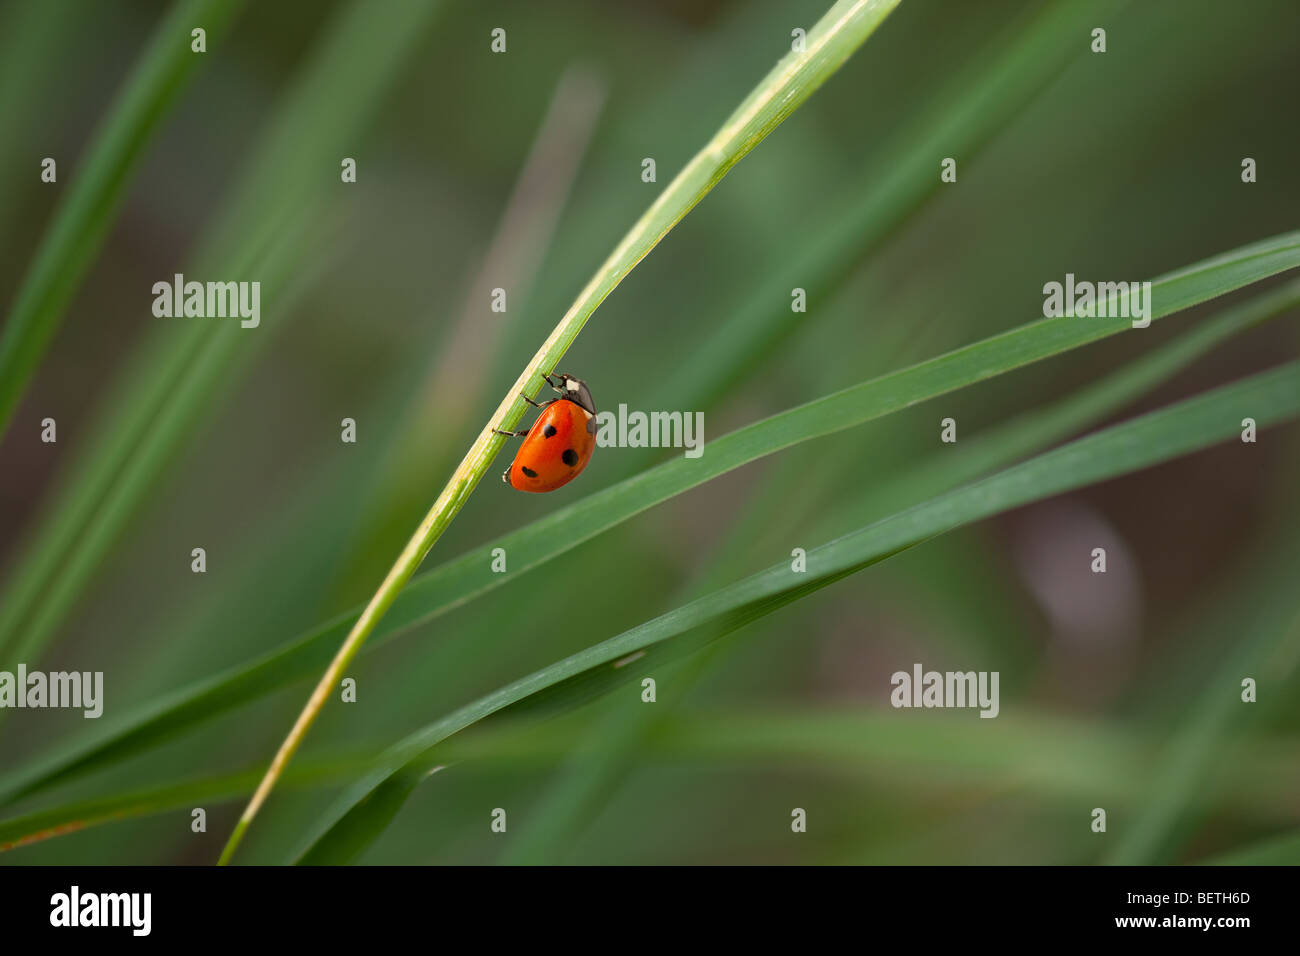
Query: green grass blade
31 35
96 190
147 801
1191 763
1276 851
1043 752
965 116
594 774
1270 397
1046 754
835 37
591 779
457 582
425 433
1036 429
604 755
176 378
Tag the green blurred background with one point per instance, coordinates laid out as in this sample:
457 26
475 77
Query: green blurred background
1123 165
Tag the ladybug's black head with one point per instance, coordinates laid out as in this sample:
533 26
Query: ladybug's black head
577 392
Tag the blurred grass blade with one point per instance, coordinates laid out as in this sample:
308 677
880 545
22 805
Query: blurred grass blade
430 425
1039 427
96 188
1265 643
829 44
31 35
178 376
463 579
1278 851
1045 753
594 773
1058 758
1270 397
970 111
148 801
605 753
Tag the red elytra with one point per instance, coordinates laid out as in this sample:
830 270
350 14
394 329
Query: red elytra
560 443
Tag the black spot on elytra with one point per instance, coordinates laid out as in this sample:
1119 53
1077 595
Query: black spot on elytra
528 471
548 431
570 457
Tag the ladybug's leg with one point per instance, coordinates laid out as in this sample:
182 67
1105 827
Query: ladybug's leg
511 434
537 404
553 385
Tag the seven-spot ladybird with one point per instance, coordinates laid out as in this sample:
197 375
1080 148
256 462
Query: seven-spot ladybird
561 441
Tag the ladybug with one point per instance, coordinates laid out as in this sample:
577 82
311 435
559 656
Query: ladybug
561 441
